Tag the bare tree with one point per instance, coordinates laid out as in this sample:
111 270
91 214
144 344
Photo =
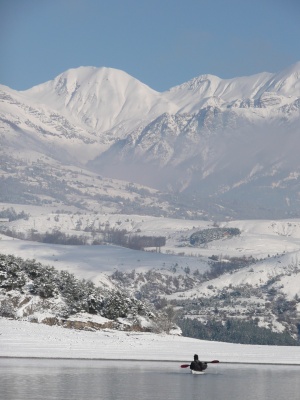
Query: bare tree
166 319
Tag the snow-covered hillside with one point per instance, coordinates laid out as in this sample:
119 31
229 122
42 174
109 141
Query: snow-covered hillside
252 275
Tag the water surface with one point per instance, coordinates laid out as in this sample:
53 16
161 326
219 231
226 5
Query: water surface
22 379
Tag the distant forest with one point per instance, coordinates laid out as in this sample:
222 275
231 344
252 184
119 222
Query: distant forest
235 331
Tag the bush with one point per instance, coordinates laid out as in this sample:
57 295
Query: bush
208 235
12 215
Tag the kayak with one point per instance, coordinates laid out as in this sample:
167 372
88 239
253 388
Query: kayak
197 372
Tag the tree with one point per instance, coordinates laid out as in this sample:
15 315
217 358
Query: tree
166 319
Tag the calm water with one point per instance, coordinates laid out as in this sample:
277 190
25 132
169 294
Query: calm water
22 379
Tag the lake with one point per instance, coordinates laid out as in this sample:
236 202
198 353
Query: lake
42 379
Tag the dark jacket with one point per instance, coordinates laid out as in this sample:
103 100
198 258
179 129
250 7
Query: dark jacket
197 365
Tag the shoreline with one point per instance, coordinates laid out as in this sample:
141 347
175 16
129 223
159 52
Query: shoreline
142 361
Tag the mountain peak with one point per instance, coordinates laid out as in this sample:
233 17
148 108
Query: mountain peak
86 77
101 98
287 81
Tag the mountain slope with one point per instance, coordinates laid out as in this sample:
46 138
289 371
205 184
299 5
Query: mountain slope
28 125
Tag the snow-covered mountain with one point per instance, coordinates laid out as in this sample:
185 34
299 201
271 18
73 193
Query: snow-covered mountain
227 145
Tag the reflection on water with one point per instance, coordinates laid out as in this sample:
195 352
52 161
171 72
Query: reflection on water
33 379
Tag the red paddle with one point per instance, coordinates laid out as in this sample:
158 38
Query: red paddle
207 362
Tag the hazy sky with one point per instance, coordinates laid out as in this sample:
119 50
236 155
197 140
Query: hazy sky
162 43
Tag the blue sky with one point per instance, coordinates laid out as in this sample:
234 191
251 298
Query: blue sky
162 43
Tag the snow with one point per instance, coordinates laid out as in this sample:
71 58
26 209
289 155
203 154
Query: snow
25 339
190 96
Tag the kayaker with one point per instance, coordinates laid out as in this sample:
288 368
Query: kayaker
198 365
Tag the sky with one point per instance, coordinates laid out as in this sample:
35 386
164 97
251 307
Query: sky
162 43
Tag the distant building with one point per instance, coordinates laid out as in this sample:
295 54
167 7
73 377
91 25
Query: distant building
4 220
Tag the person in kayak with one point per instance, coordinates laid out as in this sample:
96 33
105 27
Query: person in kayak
198 365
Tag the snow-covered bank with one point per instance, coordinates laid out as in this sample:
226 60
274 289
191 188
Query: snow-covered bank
24 339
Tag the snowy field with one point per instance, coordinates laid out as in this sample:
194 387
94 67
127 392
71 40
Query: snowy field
93 262
258 238
25 339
